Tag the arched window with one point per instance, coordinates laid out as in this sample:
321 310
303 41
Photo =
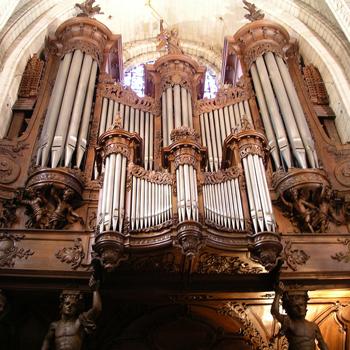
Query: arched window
135 78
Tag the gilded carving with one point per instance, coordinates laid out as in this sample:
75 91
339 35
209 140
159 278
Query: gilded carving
9 251
72 255
294 257
216 264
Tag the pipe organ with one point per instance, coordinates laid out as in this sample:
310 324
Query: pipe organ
217 124
136 116
170 181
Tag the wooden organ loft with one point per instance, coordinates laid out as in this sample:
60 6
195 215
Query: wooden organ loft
195 207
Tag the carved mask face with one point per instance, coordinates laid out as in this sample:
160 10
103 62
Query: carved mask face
110 260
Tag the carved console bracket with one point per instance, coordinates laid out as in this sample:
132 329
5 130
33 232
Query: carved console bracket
109 246
189 238
307 198
265 248
50 197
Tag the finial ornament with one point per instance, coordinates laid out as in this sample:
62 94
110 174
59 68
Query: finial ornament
254 14
169 40
88 10
117 124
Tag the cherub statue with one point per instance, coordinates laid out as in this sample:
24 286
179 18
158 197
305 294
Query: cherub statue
301 333
169 40
38 205
69 331
301 207
88 10
64 212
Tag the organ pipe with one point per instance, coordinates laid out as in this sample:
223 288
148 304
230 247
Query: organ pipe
276 119
287 113
53 110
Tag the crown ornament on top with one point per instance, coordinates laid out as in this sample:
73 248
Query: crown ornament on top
169 39
88 10
254 14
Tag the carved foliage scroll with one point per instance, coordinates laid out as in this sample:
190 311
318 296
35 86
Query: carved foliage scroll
9 251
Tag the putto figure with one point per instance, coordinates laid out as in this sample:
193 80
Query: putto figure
301 333
68 333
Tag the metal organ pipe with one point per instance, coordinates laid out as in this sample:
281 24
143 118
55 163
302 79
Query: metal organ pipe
287 113
177 106
265 116
276 119
83 131
77 109
151 199
53 110
222 203
66 108
298 113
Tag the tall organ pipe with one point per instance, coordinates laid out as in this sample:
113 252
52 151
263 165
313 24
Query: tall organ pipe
287 113
66 108
83 131
265 116
77 109
276 119
53 110
298 113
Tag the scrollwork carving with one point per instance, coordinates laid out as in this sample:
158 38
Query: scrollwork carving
216 264
124 94
248 329
343 256
72 255
159 177
294 257
222 175
184 133
9 251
